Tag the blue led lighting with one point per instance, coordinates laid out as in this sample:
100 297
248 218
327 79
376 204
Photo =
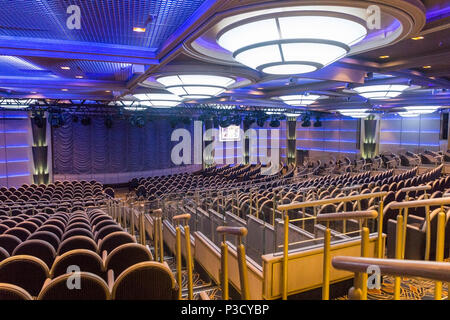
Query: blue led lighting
14 131
410 131
329 150
15 146
14 161
410 144
326 130
326 140
26 174
13 117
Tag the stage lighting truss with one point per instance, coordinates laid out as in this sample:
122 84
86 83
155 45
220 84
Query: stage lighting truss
292 42
196 86
382 91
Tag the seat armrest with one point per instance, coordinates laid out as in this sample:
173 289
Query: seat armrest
46 283
110 279
415 219
104 257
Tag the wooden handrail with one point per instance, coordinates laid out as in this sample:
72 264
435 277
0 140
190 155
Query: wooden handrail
238 231
298 205
438 271
347 215
420 203
156 212
182 216
418 188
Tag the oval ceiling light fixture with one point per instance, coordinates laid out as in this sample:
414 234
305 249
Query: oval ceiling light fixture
421 109
292 42
382 91
408 114
158 100
355 113
196 86
299 100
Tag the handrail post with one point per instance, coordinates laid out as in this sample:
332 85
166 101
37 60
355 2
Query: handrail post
189 263
224 268
427 233
132 219
364 253
326 264
440 244
380 229
285 256
398 254
242 263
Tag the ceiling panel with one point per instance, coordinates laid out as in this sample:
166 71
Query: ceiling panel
102 21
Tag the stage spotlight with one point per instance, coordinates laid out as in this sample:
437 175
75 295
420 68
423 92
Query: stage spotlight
108 122
140 121
306 120
274 123
55 119
38 121
248 121
86 121
317 122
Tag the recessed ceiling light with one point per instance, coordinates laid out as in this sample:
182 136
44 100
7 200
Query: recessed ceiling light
426 67
383 57
65 68
137 29
417 38
79 77
65 89
108 91
33 92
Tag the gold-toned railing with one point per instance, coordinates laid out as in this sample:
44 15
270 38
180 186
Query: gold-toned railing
299 205
339 216
437 271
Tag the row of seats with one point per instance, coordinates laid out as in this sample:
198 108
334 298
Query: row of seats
37 254
56 193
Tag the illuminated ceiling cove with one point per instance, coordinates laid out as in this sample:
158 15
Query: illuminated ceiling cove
295 55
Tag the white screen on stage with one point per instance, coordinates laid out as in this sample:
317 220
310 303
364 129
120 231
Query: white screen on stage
230 133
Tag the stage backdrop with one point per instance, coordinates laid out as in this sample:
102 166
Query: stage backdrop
113 155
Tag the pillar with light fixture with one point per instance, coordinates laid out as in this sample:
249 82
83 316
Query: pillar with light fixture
40 148
291 136
369 137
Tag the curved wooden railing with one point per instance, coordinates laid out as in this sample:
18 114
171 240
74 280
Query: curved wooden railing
437 271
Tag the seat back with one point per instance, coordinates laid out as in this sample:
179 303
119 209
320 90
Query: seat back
114 240
12 292
92 287
125 256
9 242
37 248
27 272
77 242
86 260
145 281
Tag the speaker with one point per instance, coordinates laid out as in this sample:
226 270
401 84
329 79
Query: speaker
444 127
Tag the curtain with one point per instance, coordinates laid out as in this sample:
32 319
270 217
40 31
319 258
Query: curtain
80 149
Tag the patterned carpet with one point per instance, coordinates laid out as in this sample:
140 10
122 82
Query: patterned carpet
411 289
